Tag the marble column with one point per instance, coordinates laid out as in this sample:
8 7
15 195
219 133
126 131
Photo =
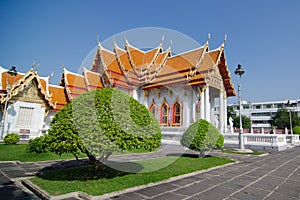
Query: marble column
207 104
221 111
225 114
202 107
212 109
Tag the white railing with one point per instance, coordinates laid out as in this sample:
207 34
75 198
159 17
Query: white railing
257 141
294 139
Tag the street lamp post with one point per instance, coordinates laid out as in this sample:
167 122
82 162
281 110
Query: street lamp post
11 72
291 125
240 71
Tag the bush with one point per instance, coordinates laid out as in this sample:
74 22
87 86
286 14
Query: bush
37 145
100 122
12 138
296 130
201 136
220 142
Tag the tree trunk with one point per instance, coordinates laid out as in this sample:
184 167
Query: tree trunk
201 153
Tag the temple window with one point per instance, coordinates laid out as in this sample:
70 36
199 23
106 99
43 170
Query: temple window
164 114
25 116
177 113
153 109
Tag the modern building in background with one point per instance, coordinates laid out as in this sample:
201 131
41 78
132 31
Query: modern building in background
260 113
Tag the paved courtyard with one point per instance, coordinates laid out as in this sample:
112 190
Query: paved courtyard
274 176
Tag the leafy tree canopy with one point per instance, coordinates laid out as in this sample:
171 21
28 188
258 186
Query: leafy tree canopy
281 119
246 122
100 122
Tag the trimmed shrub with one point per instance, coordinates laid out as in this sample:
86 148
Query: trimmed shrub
296 130
220 142
12 138
201 136
37 145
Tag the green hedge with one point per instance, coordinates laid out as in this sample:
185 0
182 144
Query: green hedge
37 145
12 138
202 136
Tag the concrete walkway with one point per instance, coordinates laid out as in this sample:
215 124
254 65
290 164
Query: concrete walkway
274 176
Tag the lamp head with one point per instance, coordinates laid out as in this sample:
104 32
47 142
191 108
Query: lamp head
13 71
239 70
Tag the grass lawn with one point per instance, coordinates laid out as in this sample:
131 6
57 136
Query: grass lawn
110 180
18 152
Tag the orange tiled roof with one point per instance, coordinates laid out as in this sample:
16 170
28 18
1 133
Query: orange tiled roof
93 80
8 79
58 97
132 66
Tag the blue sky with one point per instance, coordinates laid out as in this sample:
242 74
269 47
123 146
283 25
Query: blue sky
263 36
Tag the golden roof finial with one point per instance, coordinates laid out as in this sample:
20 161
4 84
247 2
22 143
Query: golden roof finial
114 41
33 63
37 67
225 38
125 38
99 44
98 40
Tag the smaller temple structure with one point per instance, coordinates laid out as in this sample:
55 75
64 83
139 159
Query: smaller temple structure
177 89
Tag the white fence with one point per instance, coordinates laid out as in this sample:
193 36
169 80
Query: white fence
268 142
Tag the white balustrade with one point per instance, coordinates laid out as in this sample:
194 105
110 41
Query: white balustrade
257 141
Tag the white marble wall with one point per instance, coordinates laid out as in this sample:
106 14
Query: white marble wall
37 118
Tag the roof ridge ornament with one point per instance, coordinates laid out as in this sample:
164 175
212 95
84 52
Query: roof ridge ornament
208 38
98 41
126 41
225 38
33 63
171 43
37 67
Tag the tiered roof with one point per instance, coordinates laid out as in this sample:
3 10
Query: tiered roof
129 68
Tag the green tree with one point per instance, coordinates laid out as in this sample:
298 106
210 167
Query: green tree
201 136
230 113
246 122
296 130
281 119
100 122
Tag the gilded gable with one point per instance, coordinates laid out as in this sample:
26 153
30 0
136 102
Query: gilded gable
30 93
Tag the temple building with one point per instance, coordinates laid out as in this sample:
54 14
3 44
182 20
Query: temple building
178 89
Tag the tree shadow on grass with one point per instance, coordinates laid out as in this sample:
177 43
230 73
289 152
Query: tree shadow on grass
84 171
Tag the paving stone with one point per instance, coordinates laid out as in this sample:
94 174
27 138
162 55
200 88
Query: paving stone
215 180
215 193
168 196
257 173
289 190
280 196
264 186
232 185
186 181
192 189
244 179
271 180
155 190
282 173
128 196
